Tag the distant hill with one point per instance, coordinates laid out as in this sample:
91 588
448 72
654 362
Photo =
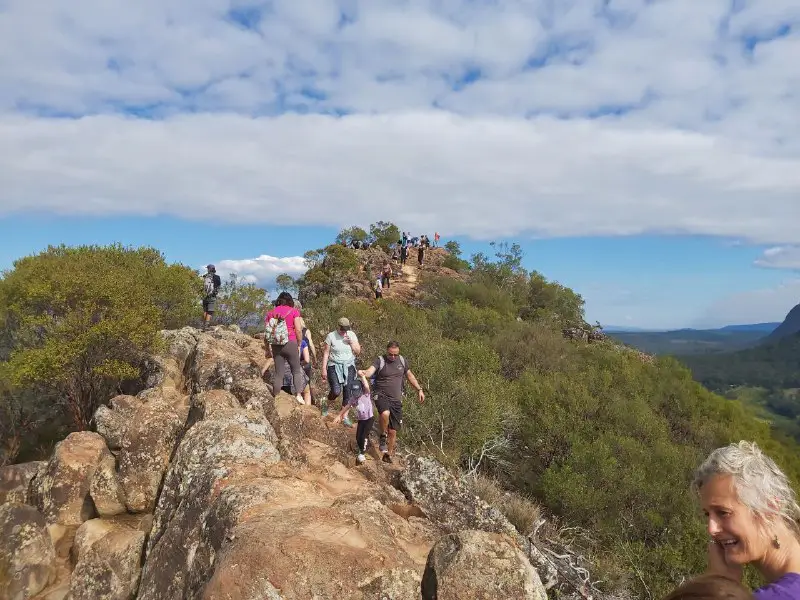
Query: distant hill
790 325
695 341
773 364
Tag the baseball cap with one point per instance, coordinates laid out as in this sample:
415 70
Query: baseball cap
344 322
211 267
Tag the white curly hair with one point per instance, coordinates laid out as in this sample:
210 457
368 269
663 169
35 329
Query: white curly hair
759 482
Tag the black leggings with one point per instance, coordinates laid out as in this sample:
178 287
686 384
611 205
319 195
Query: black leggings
362 433
385 281
291 355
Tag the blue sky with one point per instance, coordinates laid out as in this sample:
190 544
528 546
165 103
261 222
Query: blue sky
645 153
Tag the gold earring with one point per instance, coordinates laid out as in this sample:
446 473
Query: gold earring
776 542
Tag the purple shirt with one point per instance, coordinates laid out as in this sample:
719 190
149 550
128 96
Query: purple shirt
785 588
363 406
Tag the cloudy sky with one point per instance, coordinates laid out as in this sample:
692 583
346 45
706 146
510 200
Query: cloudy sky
644 152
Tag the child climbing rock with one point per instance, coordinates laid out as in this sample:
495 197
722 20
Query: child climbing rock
362 400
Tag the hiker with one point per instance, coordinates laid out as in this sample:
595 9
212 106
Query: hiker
403 253
396 252
379 288
339 363
211 284
361 399
421 255
436 238
404 239
386 273
752 517
308 355
388 372
283 338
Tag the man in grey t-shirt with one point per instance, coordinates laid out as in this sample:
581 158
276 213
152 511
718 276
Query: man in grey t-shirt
390 370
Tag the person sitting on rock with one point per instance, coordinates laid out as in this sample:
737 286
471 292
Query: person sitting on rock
339 363
389 371
360 398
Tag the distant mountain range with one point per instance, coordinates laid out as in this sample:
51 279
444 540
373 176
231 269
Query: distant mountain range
696 341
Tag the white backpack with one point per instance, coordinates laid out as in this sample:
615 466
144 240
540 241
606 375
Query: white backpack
277 333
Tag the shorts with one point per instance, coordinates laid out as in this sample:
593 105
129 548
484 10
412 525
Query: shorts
395 409
209 304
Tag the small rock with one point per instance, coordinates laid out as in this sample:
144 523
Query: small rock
15 481
110 568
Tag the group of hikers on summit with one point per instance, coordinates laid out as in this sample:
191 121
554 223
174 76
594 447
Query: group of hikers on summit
287 341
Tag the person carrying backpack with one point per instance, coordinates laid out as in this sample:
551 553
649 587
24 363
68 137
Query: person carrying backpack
283 338
386 273
378 288
211 284
388 372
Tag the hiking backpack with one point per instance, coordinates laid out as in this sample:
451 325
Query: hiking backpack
208 284
277 333
382 363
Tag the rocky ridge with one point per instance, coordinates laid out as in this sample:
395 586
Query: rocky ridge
205 485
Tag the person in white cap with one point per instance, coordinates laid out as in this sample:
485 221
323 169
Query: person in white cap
339 363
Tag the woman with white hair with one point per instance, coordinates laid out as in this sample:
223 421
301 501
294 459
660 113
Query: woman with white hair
752 518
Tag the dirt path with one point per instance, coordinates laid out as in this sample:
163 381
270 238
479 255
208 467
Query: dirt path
405 287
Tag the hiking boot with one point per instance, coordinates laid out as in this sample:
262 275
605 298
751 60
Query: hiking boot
383 447
360 459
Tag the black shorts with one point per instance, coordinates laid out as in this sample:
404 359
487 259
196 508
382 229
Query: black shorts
209 304
395 411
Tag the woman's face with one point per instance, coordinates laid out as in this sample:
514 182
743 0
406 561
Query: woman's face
732 524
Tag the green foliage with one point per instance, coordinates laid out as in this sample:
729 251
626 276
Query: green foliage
78 321
241 304
285 283
351 234
384 234
454 248
595 435
327 268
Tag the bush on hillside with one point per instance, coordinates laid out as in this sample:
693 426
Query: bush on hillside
79 321
595 435
242 304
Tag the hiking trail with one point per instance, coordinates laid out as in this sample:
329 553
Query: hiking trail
404 287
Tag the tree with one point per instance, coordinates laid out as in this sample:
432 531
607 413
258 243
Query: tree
454 248
351 234
241 303
384 234
79 321
285 283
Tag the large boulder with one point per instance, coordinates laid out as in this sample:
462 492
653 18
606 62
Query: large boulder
476 565
147 443
109 568
15 481
27 556
105 488
228 445
448 502
168 369
223 357
62 490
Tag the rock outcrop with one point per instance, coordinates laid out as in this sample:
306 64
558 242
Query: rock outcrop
204 485
480 566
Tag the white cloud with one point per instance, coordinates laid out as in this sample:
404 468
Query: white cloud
483 177
262 270
470 117
755 306
780 257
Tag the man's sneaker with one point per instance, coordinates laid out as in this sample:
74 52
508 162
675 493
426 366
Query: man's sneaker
360 459
382 447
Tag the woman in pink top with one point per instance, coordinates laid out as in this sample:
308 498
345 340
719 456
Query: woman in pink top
290 352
